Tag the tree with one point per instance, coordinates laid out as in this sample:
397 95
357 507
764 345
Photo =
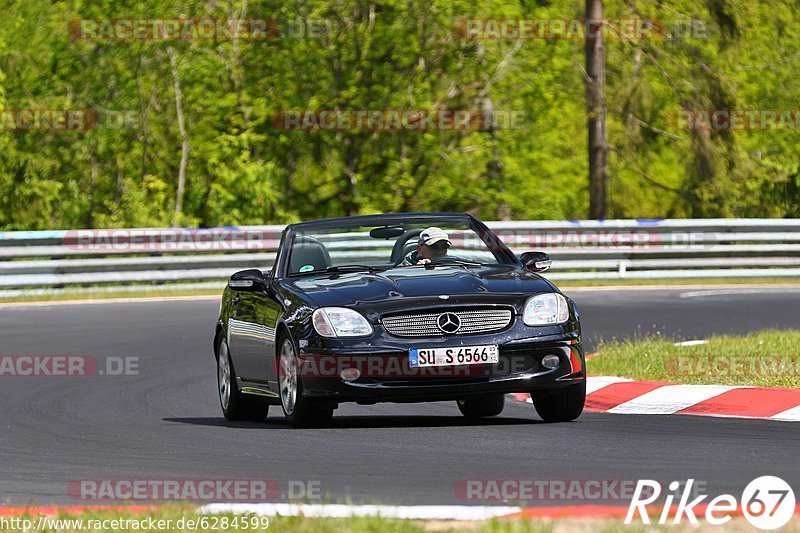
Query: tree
596 112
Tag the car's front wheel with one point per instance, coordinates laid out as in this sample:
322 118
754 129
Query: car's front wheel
299 411
235 405
562 404
482 406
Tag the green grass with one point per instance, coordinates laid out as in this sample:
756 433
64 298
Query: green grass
134 292
765 359
174 513
150 291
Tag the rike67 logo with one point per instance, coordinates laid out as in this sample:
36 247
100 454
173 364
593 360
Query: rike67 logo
767 502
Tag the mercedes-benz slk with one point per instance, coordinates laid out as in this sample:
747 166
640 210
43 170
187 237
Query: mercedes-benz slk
413 307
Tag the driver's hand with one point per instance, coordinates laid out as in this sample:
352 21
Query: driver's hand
424 261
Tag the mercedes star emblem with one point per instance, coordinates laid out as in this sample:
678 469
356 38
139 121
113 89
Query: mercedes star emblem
448 322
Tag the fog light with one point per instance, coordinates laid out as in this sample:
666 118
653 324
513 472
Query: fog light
350 374
550 361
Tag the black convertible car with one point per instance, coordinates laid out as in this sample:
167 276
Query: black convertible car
408 307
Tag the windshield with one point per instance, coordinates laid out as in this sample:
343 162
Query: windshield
391 245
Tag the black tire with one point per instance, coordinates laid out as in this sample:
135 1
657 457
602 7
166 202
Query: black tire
235 405
482 406
560 405
300 412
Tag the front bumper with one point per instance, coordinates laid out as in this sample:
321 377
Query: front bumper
386 376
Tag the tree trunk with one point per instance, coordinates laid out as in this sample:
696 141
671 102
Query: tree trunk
89 223
179 194
596 115
351 198
494 167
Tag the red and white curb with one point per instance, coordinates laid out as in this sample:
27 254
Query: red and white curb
605 394
409 512
53 510
436 512
406 512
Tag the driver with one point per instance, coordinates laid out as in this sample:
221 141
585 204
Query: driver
432 244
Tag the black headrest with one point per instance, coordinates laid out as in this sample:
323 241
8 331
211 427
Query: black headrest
308 251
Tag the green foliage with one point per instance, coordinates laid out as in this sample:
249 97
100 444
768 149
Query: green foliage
762 359
391 54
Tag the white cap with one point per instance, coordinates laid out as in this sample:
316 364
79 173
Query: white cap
433 235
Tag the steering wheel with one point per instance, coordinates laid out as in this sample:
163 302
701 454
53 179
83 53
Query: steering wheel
399 248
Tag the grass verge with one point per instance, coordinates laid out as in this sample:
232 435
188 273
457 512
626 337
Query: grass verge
151 291
178 518
123 521
765 359
134 292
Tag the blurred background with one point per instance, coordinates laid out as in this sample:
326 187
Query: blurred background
186 131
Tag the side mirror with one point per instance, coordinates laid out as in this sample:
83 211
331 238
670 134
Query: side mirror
248 280
536 261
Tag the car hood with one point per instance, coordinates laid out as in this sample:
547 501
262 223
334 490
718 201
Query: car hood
416 288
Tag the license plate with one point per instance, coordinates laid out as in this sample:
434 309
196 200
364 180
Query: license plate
457 355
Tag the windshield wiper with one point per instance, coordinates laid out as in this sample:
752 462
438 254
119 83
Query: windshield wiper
340 268
354 268
454 260
440 262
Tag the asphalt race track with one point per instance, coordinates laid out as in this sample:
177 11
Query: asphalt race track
165 422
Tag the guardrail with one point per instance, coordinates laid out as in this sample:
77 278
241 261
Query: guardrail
581 250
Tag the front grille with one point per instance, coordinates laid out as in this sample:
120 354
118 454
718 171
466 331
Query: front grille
425 324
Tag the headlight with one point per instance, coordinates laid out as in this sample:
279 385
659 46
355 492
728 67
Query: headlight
340 322
546 310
